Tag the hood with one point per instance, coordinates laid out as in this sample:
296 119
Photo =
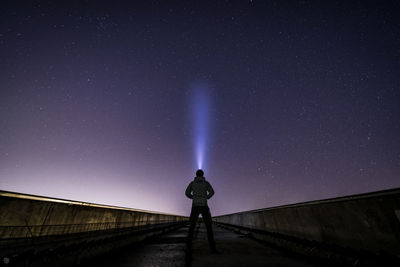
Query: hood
199 179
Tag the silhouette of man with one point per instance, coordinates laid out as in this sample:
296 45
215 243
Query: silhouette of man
200 190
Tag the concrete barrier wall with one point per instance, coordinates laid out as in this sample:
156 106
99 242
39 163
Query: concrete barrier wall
24 215
362 222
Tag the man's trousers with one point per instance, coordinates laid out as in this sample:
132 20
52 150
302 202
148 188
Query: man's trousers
205 213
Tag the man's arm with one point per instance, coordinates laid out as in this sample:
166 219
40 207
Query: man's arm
210 191
188 191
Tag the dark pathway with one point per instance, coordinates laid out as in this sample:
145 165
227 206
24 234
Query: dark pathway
237 250
169 250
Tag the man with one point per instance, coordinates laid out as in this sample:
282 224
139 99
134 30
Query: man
200 190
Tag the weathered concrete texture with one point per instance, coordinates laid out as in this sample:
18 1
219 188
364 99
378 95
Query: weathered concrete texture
362 222
237 250
36 230
166 250
71 249
27 216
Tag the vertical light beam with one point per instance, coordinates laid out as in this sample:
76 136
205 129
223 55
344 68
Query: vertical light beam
201 120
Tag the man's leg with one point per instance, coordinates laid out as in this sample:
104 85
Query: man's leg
194 214
208 222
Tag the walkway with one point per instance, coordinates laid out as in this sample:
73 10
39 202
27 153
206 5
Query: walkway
166 250
169 251
237 250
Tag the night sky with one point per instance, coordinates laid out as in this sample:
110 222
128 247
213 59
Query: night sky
98 101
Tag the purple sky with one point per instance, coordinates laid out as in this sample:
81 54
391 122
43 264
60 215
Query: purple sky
95 100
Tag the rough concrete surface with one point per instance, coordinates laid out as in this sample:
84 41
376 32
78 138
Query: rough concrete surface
237 250
361 222
167 250
27 216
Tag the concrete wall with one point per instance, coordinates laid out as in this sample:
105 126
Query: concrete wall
24 215
367 221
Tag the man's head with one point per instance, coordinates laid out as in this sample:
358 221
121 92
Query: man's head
199 173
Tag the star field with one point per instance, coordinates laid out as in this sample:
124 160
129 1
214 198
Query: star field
94 100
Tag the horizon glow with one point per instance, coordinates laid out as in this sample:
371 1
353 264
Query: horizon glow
201 122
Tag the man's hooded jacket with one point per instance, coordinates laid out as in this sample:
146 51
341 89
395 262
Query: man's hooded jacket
199 190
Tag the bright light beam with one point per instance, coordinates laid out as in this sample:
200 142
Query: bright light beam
201 120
